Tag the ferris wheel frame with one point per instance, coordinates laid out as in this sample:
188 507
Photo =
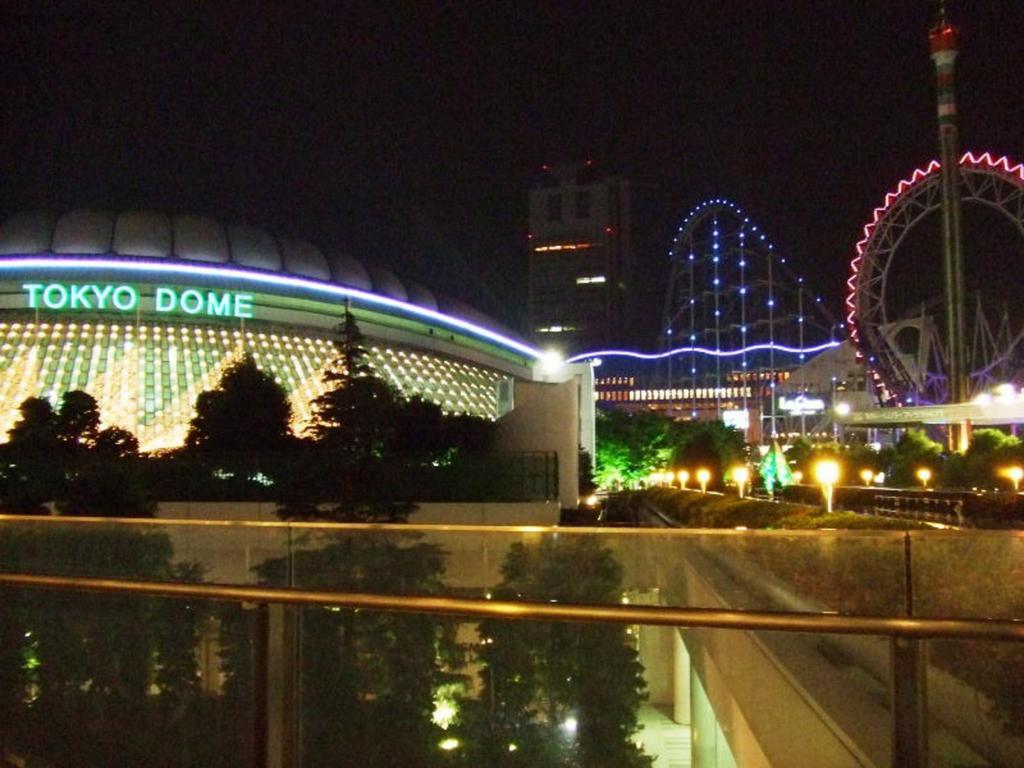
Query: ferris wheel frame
997 183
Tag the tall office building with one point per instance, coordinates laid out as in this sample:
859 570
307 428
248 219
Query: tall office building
580 258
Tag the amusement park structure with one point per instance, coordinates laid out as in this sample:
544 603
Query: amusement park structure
737 319
908 358
739 326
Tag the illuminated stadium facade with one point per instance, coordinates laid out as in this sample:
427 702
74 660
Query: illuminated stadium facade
144 311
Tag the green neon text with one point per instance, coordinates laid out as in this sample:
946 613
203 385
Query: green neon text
125 298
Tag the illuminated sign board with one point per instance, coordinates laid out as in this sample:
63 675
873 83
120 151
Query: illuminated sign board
107 297
801 405
736 419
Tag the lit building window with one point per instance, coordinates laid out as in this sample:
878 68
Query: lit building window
563 247
556 329
589 280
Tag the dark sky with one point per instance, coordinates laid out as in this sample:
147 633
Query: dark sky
408 134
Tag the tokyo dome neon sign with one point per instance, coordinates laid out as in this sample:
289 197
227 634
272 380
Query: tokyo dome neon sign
125 298
64 264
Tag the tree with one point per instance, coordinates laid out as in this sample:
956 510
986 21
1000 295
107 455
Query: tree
369 678
31 473
356 416
115 442
63 456
537 676
709 444
630 447
97 680
913 451
989 452
36 429
586 473
248 412
78 421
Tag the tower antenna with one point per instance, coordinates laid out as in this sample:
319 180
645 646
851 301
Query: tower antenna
944 43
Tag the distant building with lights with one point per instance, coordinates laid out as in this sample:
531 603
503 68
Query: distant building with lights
737 405
580 258
801 402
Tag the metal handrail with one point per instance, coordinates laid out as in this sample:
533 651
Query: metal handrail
425 528
479 608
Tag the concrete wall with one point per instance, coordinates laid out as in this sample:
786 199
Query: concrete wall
546 417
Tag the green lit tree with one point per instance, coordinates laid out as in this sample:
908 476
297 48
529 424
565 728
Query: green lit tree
913 451
990 451
630 446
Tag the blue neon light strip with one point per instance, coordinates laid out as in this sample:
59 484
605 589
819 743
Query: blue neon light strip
261 278
703 351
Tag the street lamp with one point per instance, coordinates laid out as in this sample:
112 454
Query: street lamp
826 472
924 475
703 477
867 475
684 478
1016 474
798 477
740 475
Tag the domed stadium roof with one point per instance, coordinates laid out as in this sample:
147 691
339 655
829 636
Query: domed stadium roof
189 237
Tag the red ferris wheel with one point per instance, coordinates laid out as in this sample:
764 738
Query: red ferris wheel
906 356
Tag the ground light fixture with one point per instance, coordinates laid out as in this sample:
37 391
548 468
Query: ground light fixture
741 476
826 472
924 475
867 475
684 478
1015 475
703 477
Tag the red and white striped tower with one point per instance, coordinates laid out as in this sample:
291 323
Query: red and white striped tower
943 41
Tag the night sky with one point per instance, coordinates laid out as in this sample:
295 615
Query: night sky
408 134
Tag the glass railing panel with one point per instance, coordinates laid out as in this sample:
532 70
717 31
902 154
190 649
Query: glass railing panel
975 703
540 564
223 553
232 553
849 572
97 679
89 680
852 572
976 574
773 698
